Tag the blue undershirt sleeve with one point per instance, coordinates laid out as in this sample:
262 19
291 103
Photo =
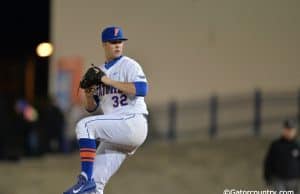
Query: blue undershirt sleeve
141 88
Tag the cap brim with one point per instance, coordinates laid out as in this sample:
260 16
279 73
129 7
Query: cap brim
114 39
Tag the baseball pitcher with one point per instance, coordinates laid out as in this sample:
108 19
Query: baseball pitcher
118 86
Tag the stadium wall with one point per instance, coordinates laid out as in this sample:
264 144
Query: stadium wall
188 49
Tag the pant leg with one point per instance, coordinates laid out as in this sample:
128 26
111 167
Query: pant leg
120 135
278 185
128 131
297 191
292 185
108 160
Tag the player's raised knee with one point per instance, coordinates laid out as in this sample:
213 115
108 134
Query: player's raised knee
81 129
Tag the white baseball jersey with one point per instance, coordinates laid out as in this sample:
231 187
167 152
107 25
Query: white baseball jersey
112 100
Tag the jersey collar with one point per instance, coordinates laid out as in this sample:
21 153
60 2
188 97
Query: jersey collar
110 63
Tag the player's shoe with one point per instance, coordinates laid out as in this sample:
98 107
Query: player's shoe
82 186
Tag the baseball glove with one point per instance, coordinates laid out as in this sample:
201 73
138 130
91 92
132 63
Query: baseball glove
91 77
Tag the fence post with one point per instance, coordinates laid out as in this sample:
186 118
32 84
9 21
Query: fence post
172 111
213 129
257 112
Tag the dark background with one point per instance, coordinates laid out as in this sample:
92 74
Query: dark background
24 24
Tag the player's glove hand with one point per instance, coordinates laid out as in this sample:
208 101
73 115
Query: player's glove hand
91 91
91 77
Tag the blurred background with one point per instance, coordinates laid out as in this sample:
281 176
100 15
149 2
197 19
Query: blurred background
223 76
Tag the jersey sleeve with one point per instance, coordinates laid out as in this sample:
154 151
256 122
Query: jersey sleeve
135 73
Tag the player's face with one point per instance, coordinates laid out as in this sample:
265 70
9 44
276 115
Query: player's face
113 49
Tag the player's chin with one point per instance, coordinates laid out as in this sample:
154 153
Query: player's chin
117 54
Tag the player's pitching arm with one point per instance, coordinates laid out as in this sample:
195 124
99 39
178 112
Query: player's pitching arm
130 88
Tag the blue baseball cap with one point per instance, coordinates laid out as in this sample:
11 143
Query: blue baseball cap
112 33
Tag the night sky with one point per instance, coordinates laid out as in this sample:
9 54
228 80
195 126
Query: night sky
24 24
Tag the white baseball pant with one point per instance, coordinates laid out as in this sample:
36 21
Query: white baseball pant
119 134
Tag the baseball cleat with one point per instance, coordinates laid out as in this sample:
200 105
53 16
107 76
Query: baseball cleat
83 185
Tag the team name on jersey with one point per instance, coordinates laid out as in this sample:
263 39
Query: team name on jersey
104 90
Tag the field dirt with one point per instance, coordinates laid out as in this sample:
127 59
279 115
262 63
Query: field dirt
186 167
